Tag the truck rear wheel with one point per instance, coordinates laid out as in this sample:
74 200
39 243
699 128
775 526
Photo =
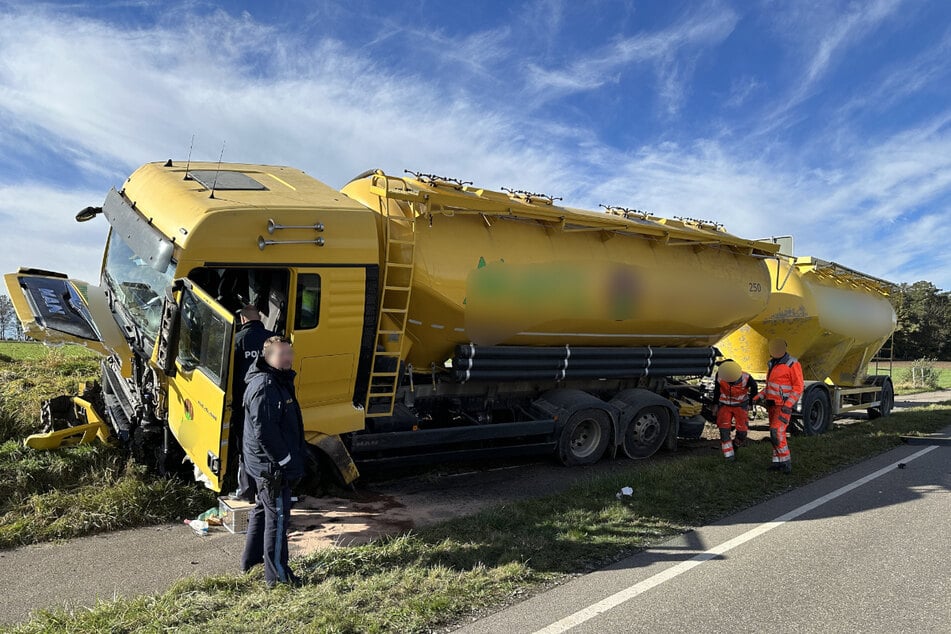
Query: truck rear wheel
887 400
816 412
646 432
584 438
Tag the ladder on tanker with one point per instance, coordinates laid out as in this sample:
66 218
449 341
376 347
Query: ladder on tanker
400 252
885 356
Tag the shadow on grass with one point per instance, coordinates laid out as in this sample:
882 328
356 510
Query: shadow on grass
586 526
426 579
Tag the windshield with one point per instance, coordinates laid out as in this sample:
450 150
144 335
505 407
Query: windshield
138 287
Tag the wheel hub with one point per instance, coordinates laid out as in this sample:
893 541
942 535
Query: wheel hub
585 438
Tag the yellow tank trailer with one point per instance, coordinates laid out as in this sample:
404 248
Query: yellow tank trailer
835 320
432 319
491 268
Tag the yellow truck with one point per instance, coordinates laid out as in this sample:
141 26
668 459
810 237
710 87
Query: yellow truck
432 319
835 320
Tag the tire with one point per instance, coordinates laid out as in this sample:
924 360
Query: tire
816 412
647 432
584 438
887 400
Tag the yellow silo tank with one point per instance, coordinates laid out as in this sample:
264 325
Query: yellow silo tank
506 268
833 318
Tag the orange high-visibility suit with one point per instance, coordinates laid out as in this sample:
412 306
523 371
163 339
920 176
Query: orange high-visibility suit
784 386
733 403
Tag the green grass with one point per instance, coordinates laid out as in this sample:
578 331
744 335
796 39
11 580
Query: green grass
32 350
441 574
944 383
31 373
48 495
898 373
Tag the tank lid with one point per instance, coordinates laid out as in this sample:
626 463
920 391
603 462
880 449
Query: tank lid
838 272
440 195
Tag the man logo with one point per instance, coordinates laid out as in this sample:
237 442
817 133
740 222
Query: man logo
189 410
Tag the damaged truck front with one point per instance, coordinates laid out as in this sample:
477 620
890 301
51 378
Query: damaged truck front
183 255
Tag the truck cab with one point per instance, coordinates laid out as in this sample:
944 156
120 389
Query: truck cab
188 247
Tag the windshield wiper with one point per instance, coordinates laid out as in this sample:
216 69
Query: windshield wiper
70 303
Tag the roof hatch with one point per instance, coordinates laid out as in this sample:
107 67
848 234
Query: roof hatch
221 180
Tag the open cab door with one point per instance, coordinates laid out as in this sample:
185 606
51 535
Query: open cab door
198 414
55 309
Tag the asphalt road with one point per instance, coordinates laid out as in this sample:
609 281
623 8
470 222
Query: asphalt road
80 571
867 549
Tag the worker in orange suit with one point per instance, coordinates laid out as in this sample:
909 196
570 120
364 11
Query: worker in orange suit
784 385
732 399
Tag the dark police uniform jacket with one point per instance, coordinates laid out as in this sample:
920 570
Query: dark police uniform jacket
248 343
273 425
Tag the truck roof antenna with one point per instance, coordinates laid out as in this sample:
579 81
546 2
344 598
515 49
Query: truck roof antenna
214 183
188 161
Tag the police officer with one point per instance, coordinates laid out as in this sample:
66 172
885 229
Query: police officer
248 343
274 455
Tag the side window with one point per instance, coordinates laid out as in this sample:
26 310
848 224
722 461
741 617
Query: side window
308 301
204 340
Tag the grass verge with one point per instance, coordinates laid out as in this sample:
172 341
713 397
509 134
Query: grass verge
428 579
899 375
31 373
48 495
944 383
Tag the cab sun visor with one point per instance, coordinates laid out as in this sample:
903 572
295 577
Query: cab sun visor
145 240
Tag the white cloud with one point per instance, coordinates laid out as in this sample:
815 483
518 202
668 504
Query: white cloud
117 97
107 98
885 211
822 35
741 89
38 224
670 53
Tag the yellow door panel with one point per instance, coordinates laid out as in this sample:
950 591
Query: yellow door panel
197 412
326 327
326 379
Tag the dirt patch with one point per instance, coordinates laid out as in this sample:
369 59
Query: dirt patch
332 521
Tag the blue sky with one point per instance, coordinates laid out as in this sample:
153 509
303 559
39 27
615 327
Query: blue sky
827 120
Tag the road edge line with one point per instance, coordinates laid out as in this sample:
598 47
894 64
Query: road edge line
622 596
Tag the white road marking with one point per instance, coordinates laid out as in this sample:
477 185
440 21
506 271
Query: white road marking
611 602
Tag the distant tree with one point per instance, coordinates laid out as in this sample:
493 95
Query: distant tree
8 319
18 333
924 322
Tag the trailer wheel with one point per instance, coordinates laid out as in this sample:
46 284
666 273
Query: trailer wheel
646 432
584 438
887 401
816 412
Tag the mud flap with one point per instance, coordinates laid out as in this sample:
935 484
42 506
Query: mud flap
334 449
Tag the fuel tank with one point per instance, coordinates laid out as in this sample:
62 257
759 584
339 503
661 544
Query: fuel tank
514 268
833 318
